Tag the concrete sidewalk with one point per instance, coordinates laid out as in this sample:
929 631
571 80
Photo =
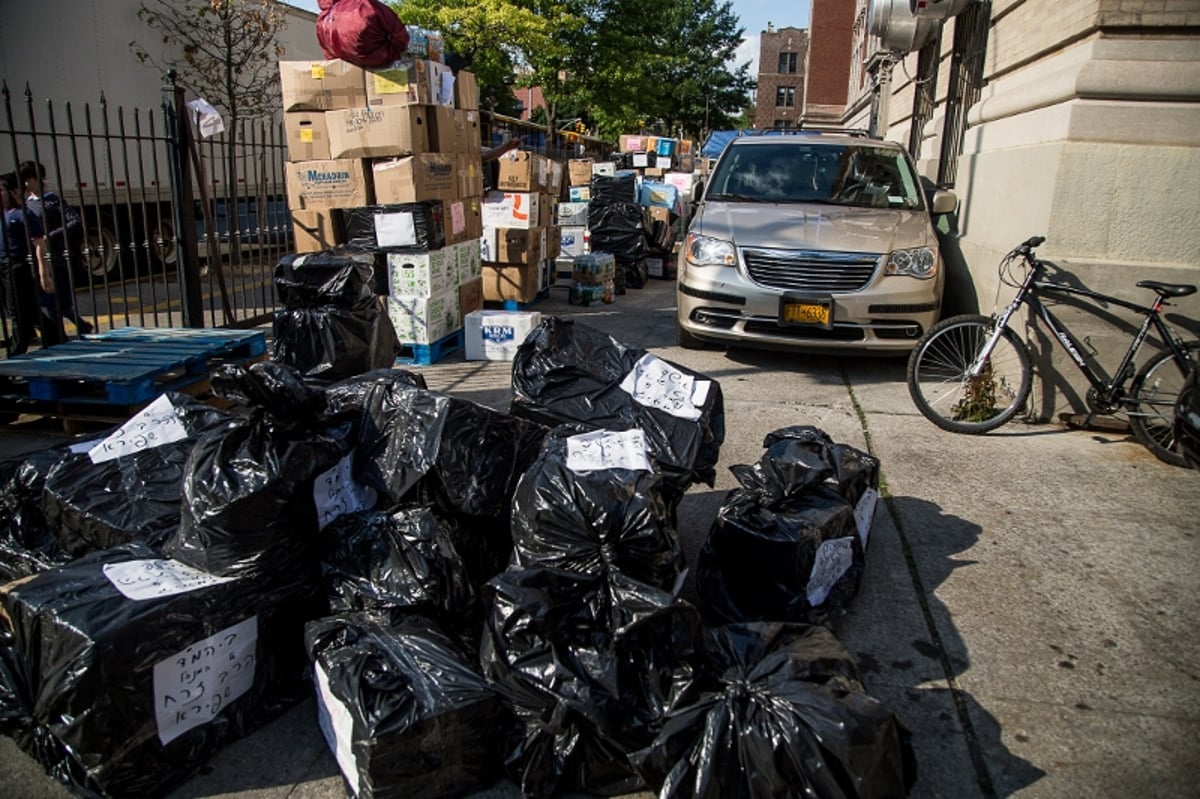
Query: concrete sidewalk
1029 607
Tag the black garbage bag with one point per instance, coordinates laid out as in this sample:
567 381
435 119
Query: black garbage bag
590 667
343 277
619 228
593 502
27 542
783 714
129 486
250 490
608 189
135 669
403 709
566 371
332 343
400 226
790 544
637 273
398 562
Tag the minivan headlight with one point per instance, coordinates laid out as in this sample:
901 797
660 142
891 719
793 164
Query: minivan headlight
919 262
707 251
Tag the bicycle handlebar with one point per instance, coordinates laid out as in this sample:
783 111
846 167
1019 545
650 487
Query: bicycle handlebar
1026 247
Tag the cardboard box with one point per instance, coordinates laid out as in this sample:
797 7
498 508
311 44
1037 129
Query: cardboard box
466 91
469 256
377 132
313 231
452 131
579 172
424 320
521 171
554 177
685 182
496 335
470 123
653 172
606 168
660 213
571 213
408 82
412 178
411 226
470 296
518 282
319 185
307 137
463 219
510 209
517 245
632 144
321 85
470 175
422 274
579 194
552 247
572 239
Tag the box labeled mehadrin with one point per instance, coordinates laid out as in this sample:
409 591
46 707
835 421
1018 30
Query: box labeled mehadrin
307 137
321 85
510 209
424 320
412 178
320 185
377 132
496 335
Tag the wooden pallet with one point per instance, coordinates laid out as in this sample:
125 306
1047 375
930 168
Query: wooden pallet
113 372
426 354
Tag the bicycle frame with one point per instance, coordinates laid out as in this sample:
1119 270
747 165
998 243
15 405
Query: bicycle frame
1028 294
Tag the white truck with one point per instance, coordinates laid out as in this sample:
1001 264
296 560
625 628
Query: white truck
78 100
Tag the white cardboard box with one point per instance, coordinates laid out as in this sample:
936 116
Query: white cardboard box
424 320
511 209
573 240
495 335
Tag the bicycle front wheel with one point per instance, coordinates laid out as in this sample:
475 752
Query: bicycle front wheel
945 394
1152 402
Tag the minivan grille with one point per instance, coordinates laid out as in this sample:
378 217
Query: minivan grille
810 270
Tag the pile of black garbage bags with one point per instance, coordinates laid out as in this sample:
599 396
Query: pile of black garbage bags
470 594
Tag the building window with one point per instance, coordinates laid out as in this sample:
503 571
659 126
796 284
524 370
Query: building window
787 63
785 97
784 124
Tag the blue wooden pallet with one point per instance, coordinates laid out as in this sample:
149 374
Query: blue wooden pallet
426 354
126 366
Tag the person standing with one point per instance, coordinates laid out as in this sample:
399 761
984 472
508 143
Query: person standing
26 275
64 239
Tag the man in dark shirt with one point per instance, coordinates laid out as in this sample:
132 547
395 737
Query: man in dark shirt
63 247
22 256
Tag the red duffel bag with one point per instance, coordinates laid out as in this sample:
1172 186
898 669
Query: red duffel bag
365 33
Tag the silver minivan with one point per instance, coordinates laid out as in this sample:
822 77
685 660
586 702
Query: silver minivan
812 241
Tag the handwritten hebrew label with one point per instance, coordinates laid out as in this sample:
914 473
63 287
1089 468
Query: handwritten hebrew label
337 725
337 492
156 424
157 578
606 449
192 686
864 514
654 383
834 558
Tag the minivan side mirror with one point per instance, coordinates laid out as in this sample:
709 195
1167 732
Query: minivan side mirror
944 202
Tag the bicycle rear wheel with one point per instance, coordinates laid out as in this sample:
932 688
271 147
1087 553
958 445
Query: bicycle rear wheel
945 395
1152 400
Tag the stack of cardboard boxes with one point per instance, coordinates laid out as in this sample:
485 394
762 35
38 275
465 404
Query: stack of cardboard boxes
389 160
520 239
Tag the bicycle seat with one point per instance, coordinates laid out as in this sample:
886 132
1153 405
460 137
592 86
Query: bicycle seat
1167 289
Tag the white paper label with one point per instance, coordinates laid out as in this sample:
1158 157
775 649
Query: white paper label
337 725
192 686
446 93
834 557
864 514
656 384
156 424
154 579
396 229
336 492
607 449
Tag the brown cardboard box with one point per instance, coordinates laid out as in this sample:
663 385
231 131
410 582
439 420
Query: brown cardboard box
320 185
516 282
654 172
313 230
470 295
307 137
412 178
472 138
518 246
321 85
579 172
553 242
660 214
464 219
470 175
511 209
521 171
409 82
377 132
446 134
632 144
466 91
554 177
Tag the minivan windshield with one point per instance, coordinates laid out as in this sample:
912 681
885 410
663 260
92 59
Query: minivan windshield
858 175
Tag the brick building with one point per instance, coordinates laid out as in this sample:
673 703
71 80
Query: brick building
782 56
827 65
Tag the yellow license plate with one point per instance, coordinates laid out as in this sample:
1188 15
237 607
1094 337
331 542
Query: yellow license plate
804 313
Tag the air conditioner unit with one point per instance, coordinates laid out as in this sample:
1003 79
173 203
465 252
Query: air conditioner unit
937 9
898 30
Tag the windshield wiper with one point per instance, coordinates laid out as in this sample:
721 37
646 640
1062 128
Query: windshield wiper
739 197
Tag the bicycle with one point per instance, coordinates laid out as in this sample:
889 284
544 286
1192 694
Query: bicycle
971 373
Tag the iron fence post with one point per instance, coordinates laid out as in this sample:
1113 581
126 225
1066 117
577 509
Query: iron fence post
183 202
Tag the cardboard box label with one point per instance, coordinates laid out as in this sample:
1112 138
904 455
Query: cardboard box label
511 210
316 185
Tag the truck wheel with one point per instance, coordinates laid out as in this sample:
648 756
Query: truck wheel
164 248
100 253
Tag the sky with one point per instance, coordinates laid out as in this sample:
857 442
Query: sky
754 16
